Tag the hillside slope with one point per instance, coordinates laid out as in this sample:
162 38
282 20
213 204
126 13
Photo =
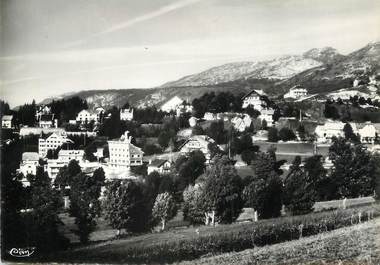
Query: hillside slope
329 77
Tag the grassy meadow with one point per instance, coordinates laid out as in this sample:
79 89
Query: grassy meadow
179 244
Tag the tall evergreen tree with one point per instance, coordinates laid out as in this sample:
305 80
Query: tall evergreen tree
125 206
222 190
298 196
353 171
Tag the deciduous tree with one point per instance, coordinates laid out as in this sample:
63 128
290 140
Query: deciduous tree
164 208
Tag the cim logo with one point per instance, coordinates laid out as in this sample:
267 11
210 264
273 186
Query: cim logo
22 252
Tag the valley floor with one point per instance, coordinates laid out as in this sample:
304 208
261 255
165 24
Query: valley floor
359 244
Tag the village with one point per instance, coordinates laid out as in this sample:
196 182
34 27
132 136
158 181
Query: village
259 117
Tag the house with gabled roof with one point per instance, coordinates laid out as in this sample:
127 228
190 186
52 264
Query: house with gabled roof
87 116
7 121
29 163
296 92
198 143
255 99
51 142
161 166
172 104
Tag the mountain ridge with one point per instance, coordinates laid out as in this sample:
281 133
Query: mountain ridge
319 70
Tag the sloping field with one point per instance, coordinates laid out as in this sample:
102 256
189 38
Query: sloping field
359 244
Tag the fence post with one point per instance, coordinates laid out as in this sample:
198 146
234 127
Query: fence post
360 217
300 228
344 203
255 217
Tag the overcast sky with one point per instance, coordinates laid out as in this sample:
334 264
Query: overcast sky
50 47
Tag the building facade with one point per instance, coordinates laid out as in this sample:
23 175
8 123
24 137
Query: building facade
87 116
198 143
161 166
126 114
51 142
254 99
332 129
123 154
7 121
29 163
267 115
368 134
68 155
296 92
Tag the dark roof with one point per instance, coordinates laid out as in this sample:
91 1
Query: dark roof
47 117
158 162
135 150
250 93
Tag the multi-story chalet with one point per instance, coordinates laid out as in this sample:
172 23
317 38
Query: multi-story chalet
123 154
198 143
296 92
172 104
68 155
87 116
6 121
126 114
255 99
29 163
51 142
161 166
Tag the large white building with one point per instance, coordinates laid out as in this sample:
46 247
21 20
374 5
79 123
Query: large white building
255 99
296 92
51 142
332 129
29 163
123 154
198 143
368 133
172 104
126 114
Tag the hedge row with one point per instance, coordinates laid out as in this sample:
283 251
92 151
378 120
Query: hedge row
237 237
